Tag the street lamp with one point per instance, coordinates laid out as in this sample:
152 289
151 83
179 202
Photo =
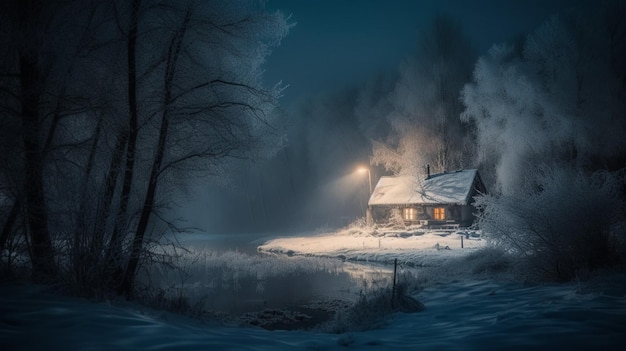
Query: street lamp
368 211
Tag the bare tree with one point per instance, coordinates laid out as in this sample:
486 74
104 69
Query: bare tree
207 114
128 136
85 114
147 208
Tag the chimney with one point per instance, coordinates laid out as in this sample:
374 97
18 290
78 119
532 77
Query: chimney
427 171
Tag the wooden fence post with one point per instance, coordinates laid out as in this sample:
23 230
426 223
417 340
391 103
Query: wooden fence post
393 288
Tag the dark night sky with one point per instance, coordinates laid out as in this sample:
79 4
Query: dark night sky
338 43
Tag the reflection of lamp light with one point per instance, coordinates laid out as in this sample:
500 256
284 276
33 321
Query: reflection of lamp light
368 211
369 174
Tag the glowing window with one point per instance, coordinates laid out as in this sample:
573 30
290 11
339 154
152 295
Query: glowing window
440 213
409 214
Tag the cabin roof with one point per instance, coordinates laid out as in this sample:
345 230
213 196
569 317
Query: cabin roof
441 188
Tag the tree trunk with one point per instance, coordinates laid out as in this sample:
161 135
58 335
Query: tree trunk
174 50
128 280
42 259
115 245
83 243
109 191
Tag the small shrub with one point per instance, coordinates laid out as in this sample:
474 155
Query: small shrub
359 226
14 258
395 219
369 312
488 260
170 300
360 222
561 222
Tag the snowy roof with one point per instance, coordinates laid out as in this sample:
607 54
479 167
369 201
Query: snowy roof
442 188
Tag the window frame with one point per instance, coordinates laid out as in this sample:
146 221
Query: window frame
439 213
409 214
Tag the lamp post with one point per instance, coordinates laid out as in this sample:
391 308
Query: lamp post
369 176
368 210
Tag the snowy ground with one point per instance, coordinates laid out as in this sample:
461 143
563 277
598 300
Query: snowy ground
418 247
461 316
467 313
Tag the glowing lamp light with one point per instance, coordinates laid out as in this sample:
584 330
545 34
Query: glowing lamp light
363 170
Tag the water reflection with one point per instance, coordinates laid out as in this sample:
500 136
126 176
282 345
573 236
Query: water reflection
281 292
226 274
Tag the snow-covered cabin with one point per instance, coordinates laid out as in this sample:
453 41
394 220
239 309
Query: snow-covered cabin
435 200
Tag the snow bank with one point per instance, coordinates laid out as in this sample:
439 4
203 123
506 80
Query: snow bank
412 248
461 316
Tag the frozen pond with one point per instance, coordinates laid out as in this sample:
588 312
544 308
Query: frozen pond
225 273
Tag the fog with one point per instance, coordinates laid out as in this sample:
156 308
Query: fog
309 182
397 116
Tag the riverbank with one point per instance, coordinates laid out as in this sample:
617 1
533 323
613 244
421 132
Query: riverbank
415 247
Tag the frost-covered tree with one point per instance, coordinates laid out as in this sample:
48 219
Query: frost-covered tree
425 104
558 99
569 227
550 115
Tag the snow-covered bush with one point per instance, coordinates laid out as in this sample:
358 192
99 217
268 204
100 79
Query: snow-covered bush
489 260
359 227
559 223
360 222
395 218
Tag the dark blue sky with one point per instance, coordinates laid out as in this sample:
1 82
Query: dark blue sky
337 43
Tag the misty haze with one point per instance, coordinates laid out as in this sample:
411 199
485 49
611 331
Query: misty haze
287 175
